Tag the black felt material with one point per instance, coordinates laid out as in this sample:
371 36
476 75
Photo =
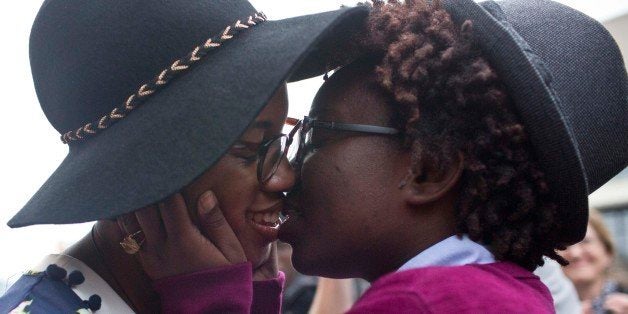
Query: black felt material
88 56
567 78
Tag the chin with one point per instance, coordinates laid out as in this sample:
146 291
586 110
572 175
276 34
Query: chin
313 265
302 264
583 278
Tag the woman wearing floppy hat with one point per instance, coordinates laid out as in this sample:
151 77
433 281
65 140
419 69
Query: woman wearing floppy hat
447 162
156 97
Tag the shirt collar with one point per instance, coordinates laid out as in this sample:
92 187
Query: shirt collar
452 251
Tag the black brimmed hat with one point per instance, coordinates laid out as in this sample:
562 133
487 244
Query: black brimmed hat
568 82
149 94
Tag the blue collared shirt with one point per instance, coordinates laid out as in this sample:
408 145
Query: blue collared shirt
452 251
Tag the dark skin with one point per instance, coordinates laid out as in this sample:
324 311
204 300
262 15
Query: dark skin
128 280
358 210
352 218
188 231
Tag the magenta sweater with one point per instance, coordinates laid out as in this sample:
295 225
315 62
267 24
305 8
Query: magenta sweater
227 289
490 288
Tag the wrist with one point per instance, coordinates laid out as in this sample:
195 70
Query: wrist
228 288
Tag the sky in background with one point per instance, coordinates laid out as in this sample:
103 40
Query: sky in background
31 149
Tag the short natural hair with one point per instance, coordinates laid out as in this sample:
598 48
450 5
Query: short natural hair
449 99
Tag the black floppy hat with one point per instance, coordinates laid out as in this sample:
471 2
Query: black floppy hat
149 94
568 81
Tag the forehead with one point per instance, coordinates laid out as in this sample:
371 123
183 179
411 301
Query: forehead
273 115
277 105
351 95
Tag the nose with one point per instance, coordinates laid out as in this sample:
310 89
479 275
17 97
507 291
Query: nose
282 180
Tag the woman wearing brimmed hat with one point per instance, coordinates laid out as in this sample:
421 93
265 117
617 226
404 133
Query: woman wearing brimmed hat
456 153
156 97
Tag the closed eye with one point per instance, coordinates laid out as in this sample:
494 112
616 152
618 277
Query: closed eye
245 150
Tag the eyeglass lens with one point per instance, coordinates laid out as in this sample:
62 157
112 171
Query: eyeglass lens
276 151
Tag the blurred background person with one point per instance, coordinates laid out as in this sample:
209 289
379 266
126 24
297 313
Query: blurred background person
599 280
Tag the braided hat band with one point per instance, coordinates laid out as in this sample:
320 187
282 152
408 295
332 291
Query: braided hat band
176 68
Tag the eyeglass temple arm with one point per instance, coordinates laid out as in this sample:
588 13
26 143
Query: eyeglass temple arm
355 127
291 121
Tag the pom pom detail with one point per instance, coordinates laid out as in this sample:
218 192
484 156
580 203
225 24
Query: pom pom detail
94 302
55 272
75 278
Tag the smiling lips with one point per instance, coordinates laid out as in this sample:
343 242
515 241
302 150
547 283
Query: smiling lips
266 219
266 222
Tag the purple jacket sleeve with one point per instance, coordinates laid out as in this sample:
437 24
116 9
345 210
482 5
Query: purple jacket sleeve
267 295
227 289
218 290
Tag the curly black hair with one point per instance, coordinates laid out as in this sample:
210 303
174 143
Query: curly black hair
449 99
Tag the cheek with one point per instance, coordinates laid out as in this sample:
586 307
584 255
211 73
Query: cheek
233 186
326 192
351 180
344 202
237 190
601 259
592 263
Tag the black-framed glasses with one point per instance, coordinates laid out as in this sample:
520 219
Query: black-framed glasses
274 151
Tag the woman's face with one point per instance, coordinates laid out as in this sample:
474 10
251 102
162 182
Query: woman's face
342 214
588 259
252 209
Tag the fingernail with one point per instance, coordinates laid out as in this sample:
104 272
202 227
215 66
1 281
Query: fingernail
208 201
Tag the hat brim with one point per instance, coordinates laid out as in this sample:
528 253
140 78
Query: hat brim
537 105
184 129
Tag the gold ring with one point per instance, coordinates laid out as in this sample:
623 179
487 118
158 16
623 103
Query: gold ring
129 243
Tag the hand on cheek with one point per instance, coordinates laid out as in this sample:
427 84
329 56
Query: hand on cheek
173 245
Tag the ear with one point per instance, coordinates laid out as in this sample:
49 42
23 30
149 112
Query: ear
430 183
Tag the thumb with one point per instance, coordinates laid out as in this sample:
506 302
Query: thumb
215 227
